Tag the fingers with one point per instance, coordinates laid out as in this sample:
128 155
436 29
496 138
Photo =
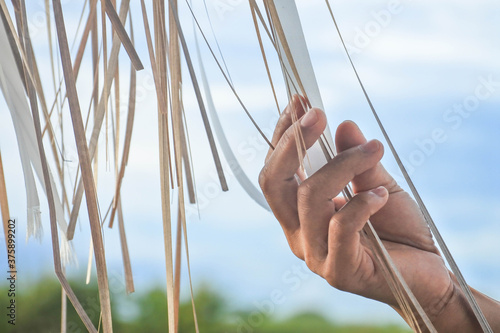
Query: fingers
284 161
400 220
349 135
315 194
346 255
277 177
329 181
293 111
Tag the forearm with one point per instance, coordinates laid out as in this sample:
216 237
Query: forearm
490 308
458 316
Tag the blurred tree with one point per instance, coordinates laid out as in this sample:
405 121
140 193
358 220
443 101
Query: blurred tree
39 311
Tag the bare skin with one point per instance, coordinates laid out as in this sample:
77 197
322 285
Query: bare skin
324 230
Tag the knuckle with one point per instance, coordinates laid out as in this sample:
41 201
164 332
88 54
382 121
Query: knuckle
311 262
363 201
336 223
264 179
297 252
305 192
287 138
336 280
343 158
353 161
295 244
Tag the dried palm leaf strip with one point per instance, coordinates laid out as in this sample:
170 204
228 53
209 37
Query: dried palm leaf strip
231 159
187 161
86 168
105 93
240 175
282 46
4 207
186 247
204 116
13 46
51 48
174 61
95 56
122 34
91 20
48 186
61 126
127 267
231 86
128 138
177 269
215 38
90 25
47 114
166 217
14 90
37 85
253 9
117 110
283 42
163 158
20 48
446 252
95 66
99 118
176 35
64 309
56 150
161 44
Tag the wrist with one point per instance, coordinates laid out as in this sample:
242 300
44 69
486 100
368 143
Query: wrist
457 316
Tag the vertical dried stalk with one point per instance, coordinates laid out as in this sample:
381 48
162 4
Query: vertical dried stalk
187 165
122 34
64 309
36 82
4 204
177 270
91 23
160 42
99 117
86 169
128 137
55 240
254 8
199 98
127 267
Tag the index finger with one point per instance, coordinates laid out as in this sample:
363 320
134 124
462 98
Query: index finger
277 177
293 112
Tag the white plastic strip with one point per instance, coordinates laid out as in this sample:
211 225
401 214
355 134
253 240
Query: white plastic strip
14 94
289 16
226 149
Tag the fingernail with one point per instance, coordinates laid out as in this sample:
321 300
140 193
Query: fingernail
370 146
309 119
380 191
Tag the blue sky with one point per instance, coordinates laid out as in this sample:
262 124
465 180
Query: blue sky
420 64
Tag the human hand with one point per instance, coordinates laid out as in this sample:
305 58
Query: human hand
325 231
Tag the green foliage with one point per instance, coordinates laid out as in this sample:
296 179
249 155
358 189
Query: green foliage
39 310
